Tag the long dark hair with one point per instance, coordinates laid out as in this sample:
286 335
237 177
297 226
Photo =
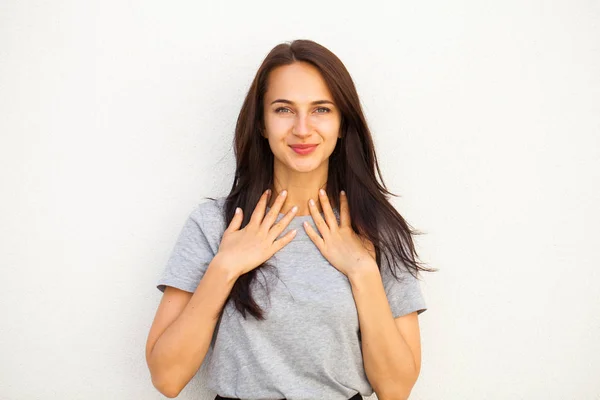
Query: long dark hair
352 167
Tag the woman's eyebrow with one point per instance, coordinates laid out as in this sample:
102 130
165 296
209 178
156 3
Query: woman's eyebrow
312 103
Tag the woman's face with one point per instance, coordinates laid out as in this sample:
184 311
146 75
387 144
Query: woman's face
299 110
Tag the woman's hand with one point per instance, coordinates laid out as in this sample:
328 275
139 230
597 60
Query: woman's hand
247 248
339 244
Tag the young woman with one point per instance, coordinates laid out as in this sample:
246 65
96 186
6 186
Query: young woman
333 312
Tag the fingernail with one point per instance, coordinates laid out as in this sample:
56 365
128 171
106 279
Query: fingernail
237 210
343 193
322 192
312 202
294 209
283 192
268 191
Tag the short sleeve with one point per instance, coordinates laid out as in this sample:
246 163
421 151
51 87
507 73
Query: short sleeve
404 296
190 256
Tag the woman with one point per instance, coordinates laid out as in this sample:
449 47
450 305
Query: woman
333 312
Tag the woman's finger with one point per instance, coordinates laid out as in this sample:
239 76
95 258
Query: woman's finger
327 210
236 221
344 210
273 213
280 243
259 211
276 229
314 236
319 221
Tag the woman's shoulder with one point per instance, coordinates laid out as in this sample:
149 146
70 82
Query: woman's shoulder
211 205
209 212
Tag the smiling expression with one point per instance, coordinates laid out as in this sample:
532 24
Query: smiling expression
302 122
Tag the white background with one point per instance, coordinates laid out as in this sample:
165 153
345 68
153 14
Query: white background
116 119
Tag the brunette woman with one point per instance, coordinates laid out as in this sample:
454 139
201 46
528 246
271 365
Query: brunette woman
302 281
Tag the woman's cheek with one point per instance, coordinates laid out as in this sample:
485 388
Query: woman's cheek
281 125
329 126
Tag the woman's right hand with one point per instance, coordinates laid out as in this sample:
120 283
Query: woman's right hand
247 248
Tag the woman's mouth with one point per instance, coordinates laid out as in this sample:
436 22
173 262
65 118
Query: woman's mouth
304 149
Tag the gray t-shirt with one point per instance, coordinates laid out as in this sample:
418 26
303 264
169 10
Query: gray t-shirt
309 346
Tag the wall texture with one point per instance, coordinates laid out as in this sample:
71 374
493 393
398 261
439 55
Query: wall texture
116 119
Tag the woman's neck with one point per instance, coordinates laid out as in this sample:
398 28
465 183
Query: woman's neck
300 188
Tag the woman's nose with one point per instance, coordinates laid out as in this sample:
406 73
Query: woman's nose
301 126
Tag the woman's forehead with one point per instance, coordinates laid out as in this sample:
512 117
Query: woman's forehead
297 83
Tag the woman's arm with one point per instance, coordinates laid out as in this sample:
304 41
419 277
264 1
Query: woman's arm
183 328
391 348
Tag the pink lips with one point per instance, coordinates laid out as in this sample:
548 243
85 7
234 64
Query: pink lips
304 148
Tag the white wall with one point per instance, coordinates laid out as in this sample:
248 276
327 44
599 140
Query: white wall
116 118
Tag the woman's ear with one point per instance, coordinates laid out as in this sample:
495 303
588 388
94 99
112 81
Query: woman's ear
263 132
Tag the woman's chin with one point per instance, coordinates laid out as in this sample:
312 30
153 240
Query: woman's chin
303 167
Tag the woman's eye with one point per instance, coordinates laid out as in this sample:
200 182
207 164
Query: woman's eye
286 110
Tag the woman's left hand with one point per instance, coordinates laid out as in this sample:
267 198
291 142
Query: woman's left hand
339 244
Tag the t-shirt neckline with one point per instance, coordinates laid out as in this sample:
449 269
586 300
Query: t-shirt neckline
303 217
